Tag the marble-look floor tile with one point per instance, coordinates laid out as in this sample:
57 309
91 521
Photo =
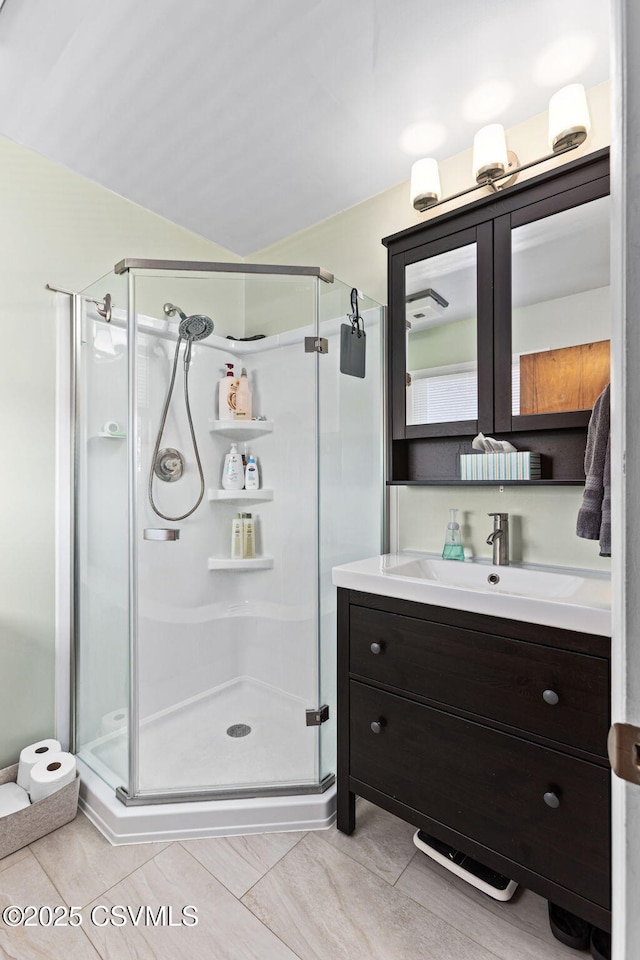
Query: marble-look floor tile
13 858
381 842
326 906
239 862
26 884
226 930
518 928
83 863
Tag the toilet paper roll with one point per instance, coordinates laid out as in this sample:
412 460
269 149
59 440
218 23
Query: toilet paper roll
32 755
116 720
51 774
12 798
112 426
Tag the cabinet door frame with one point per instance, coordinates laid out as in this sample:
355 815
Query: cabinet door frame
569 199
481 235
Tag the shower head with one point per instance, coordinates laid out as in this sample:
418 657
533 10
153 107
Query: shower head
196 327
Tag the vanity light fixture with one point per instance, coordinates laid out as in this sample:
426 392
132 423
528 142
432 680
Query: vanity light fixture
496 167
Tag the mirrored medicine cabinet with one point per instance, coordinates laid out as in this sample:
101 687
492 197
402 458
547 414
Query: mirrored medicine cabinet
499 322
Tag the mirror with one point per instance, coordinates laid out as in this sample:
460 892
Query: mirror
442 339
560 310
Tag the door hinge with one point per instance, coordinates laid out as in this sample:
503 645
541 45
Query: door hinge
407 377
623 747
316 345
316 717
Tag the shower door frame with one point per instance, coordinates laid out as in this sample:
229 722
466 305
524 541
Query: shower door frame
130 795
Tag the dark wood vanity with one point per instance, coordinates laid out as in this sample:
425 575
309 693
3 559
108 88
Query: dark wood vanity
487 733
510 291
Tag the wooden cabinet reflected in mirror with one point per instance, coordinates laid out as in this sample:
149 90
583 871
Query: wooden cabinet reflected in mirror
561 310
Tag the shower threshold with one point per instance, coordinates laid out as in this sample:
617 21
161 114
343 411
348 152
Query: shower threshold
199 819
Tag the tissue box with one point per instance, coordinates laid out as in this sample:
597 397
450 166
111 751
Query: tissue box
500 466
24 826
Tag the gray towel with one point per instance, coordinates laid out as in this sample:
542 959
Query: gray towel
594 516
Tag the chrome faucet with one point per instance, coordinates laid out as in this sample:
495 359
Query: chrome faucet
499 539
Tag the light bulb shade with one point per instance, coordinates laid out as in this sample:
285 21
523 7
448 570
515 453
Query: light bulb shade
425 183
489 153
569 121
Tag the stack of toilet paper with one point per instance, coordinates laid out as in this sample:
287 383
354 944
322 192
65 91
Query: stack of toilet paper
43 768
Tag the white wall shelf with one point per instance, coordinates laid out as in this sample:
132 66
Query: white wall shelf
226 563
241 429
235 496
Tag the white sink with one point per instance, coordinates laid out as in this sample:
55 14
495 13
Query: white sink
477 576
554 596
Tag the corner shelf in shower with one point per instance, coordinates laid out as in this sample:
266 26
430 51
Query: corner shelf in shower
235 496
226 563
241 430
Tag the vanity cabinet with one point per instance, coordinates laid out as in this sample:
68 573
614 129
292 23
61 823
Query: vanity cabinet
499 323
489 734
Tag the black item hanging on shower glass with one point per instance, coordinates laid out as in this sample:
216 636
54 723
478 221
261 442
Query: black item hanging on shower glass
353 342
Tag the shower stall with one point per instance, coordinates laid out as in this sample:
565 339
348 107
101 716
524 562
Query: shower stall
204 686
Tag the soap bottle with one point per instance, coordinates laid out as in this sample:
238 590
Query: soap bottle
232 472
227 395
453 549
251 475
243 397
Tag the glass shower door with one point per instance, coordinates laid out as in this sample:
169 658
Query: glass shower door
351 473
101 543
227 648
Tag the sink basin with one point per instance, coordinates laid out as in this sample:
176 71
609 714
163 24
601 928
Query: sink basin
554 596
476 576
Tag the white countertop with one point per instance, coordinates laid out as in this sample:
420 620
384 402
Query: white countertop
564 597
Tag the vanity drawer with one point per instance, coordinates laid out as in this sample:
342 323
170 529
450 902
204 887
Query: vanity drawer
558 694
489 786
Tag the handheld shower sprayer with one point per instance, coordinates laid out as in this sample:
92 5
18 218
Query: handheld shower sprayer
193 328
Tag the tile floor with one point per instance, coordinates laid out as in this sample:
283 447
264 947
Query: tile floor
281 896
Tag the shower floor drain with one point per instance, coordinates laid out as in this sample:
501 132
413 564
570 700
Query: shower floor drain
239 730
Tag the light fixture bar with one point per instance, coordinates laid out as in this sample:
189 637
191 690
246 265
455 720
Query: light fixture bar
421 207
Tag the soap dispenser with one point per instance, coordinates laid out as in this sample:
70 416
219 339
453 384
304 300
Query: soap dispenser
453 549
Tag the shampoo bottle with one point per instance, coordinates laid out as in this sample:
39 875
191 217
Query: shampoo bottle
249 536
227 395
232 472
251 475
243 397
237 538
453 549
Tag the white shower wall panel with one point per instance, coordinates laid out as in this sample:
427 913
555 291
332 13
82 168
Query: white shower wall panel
185 648
102 507
201 628
283 648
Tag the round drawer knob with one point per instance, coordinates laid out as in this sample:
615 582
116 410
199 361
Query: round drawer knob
552 799
377 726
550 697
376 648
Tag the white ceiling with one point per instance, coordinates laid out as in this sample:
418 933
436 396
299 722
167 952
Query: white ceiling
248 120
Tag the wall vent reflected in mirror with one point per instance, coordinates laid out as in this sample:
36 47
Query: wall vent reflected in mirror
441 315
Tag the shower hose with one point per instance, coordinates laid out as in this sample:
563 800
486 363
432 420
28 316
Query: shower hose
187 362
